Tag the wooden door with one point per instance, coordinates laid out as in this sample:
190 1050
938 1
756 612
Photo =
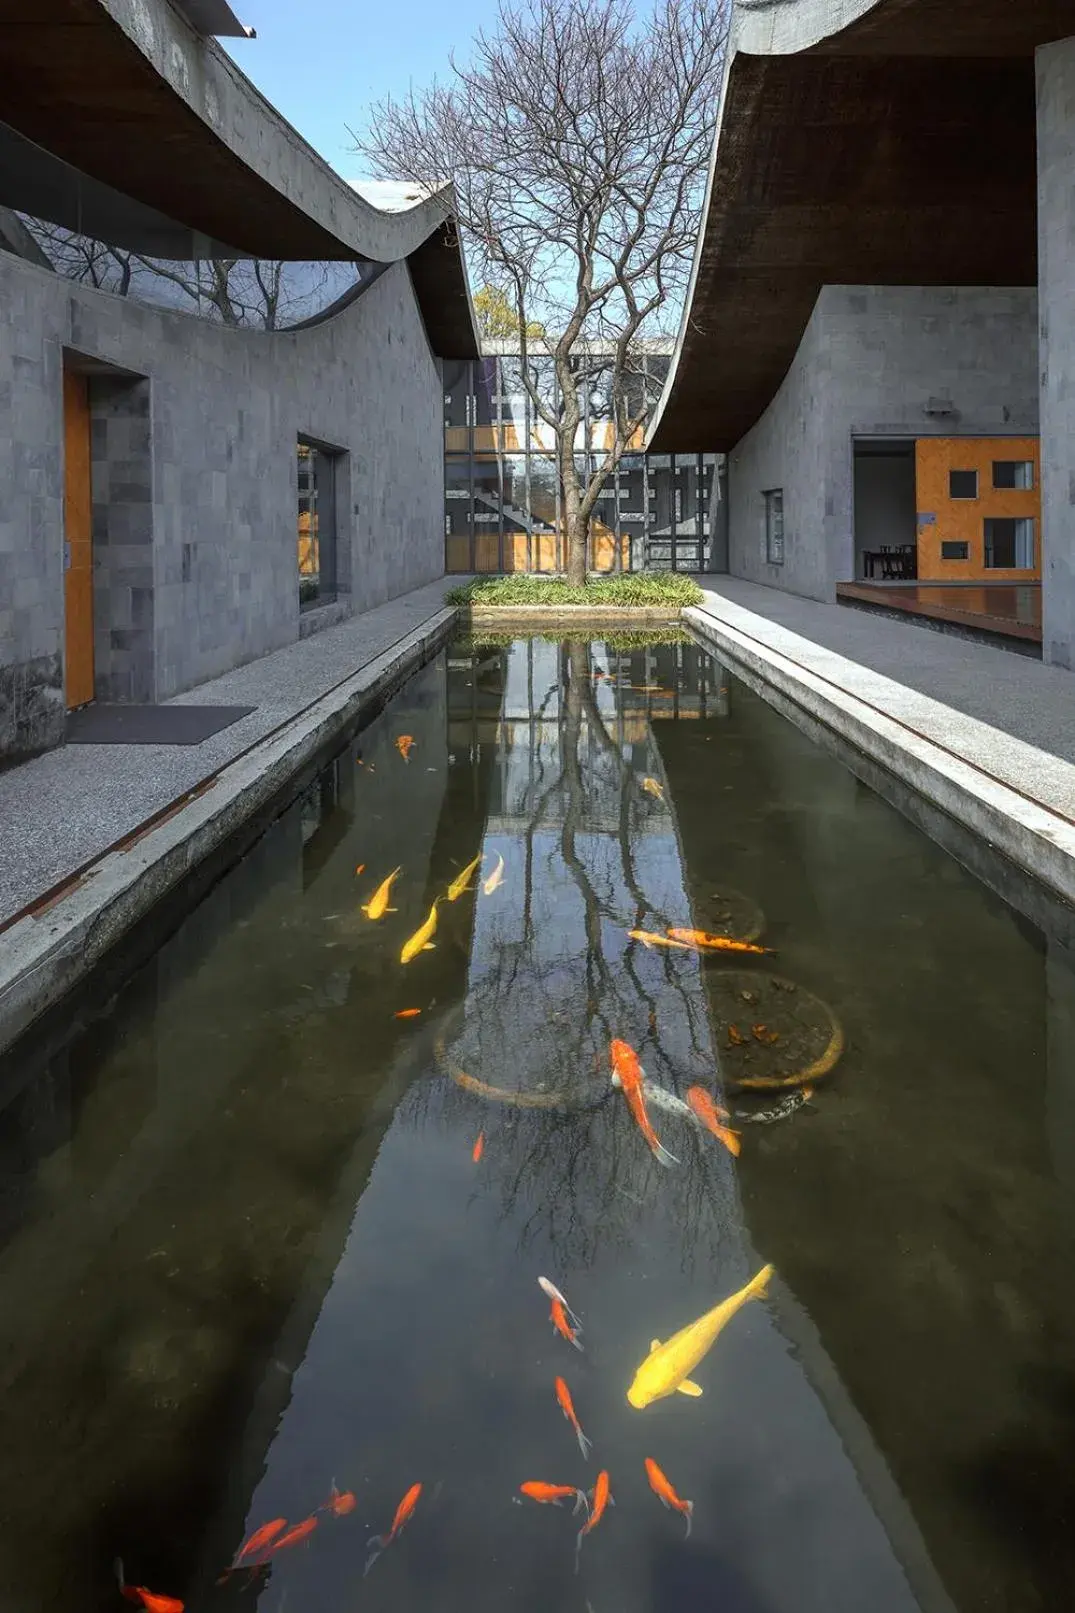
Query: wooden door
78 543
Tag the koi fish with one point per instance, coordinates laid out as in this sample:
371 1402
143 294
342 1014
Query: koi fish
495 877
139 1593
625 1064
665 1370
419 941
340 1505
479 1147
377 906
404 1513
405 744
561 1325
260 1539
651 787
650 939
553 1494
599 1500
563 1399
361 869
717 943
553 1292
294 1537
661 1098
661 1487
407 1013
712 1118
779 1111
461 882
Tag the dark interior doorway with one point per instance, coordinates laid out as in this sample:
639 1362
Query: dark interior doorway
886 530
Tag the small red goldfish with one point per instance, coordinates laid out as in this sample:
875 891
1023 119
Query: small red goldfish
139 1593
259 1540
661 1487
479 1147
405 744
361 869
599 1500
408 1013
297 1534
404 1513
340 1505
563 1397
561 1325
625 1064
712 1118
715 943
552 1494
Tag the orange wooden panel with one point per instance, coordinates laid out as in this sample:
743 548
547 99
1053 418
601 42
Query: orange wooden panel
78 536
457 554
963 520
456 439
515 551
486 553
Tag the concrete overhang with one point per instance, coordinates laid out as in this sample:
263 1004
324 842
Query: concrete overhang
859 142
132 96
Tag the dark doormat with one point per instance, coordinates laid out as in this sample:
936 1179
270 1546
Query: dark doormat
150 725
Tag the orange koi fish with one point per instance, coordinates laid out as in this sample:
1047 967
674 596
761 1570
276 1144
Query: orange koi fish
651 787
479 1147
295 1536
650 939
405 744
340 1505
553 1494
625 1064
259 1540
561 1325
716 943
712 1117
599 1500
563 1398
660 1486
421 940
553 1292
495 877
139 1593
377 906
361 869
407 1013
404 1513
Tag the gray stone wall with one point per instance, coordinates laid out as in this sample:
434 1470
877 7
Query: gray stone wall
871 360
1056 290
195 482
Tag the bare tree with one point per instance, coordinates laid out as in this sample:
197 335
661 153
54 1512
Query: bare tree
578 139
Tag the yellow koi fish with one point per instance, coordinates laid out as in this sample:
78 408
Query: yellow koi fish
650 939
377 906
665 1370
494 878
461 881
651 787
421 937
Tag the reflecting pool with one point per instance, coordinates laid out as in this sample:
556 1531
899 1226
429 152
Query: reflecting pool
272 1219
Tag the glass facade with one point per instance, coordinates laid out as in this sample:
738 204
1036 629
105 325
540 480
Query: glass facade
502 506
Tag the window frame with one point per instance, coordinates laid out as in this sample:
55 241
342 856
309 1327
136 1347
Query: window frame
1014 486
964 470
1026 521
774 540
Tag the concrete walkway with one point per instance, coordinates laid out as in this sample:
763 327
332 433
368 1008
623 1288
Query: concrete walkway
61 810
986 734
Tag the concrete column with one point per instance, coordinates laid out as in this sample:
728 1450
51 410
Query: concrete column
1056 316
718 518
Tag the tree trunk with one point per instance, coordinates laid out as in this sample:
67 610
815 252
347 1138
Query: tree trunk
578 536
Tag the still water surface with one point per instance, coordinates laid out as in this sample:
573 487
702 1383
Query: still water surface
247 1252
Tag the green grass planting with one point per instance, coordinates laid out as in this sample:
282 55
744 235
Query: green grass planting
628 590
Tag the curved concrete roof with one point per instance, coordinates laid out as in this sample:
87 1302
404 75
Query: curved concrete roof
137 99
859 142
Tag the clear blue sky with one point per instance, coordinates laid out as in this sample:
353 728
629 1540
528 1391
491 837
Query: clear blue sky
323 63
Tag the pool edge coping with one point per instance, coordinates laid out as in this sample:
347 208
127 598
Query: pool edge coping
1035 837
46 952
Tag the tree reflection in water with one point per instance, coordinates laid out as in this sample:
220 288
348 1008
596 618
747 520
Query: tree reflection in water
553 976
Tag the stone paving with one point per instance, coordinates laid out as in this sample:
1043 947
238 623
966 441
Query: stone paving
1007 714
60 810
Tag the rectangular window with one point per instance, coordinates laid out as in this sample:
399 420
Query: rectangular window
316 525
1009 543
1014 473
962 484
954 551
774 526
